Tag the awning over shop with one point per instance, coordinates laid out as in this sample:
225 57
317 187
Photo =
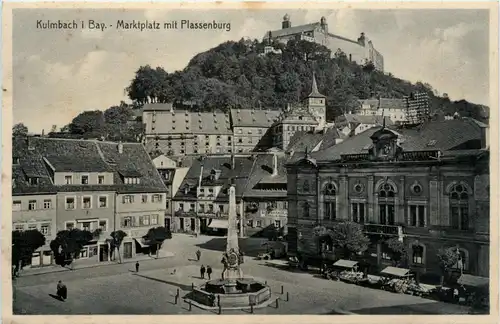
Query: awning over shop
473 281
141 242
219 223
345 264
397 272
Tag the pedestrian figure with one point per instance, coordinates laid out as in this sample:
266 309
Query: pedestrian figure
198 255
209 272
202 271
62 291
137 266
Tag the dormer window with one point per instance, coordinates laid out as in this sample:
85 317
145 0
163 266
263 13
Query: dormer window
85 179
33 181
132 180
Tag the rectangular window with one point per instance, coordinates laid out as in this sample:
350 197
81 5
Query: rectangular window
386 214
157 198
100 179
86 226
103 225
145 220
127 221
87 202
70 203
330 211
211 208
181 206
128 199
16 205
47 204
103 201
358 213
277 223
19 227
85 179
417 216
32 205
32 227
258 223
191 207
33 181
154 219
144 199
202 208
167 204
68 180
45 229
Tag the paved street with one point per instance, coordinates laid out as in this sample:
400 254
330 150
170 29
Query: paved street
117 289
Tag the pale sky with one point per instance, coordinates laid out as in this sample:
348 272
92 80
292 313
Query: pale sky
58 74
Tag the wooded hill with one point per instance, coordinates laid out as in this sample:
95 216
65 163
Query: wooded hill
236 74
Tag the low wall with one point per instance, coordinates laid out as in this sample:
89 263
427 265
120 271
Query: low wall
231 300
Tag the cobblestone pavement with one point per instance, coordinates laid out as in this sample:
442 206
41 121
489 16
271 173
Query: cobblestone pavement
118 289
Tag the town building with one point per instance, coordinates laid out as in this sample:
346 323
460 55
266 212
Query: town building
361 51
426 185
201 204
395 109
352 124
33 199
309 115
249 127
265 197
312 141
167 168
98 186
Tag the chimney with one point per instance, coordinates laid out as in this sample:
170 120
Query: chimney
275 165
233 161
120 147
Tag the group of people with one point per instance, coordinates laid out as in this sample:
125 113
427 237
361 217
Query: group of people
207 270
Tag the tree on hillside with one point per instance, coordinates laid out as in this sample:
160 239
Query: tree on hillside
19 130
88 123
156 236
116 241
69 243
24 244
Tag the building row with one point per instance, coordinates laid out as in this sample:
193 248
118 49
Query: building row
61 184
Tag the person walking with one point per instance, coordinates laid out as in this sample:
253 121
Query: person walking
198 255
137 266
209 272
202 271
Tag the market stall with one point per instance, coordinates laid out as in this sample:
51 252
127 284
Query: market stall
345 270
475 291
396 279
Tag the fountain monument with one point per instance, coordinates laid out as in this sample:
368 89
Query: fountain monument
232 290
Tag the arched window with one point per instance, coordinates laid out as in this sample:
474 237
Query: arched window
417 254
330 201
463 260
305 210
459 207
386 195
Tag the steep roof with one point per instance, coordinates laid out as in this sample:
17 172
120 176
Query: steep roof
314 89
301 140
365 119
262 183
68 155
210 123
292 30
297 114
458 134
253 117
169 121
223 164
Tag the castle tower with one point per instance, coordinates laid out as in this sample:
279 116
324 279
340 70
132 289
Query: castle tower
316 103
286 22
324 25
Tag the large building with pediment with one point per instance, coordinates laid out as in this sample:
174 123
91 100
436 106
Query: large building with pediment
426 185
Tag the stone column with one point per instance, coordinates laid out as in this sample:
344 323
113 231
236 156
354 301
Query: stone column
370 216
400 207
434 198
343 198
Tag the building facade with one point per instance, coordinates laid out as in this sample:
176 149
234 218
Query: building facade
350 124
249 126
426 187
360 51
95 186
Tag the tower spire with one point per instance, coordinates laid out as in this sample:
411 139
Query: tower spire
314 88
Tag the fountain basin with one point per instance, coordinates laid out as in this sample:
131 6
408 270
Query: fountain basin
244 292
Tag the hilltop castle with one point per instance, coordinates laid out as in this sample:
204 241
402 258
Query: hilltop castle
360 51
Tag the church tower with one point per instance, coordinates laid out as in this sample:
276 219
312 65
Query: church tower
316 103
286 22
